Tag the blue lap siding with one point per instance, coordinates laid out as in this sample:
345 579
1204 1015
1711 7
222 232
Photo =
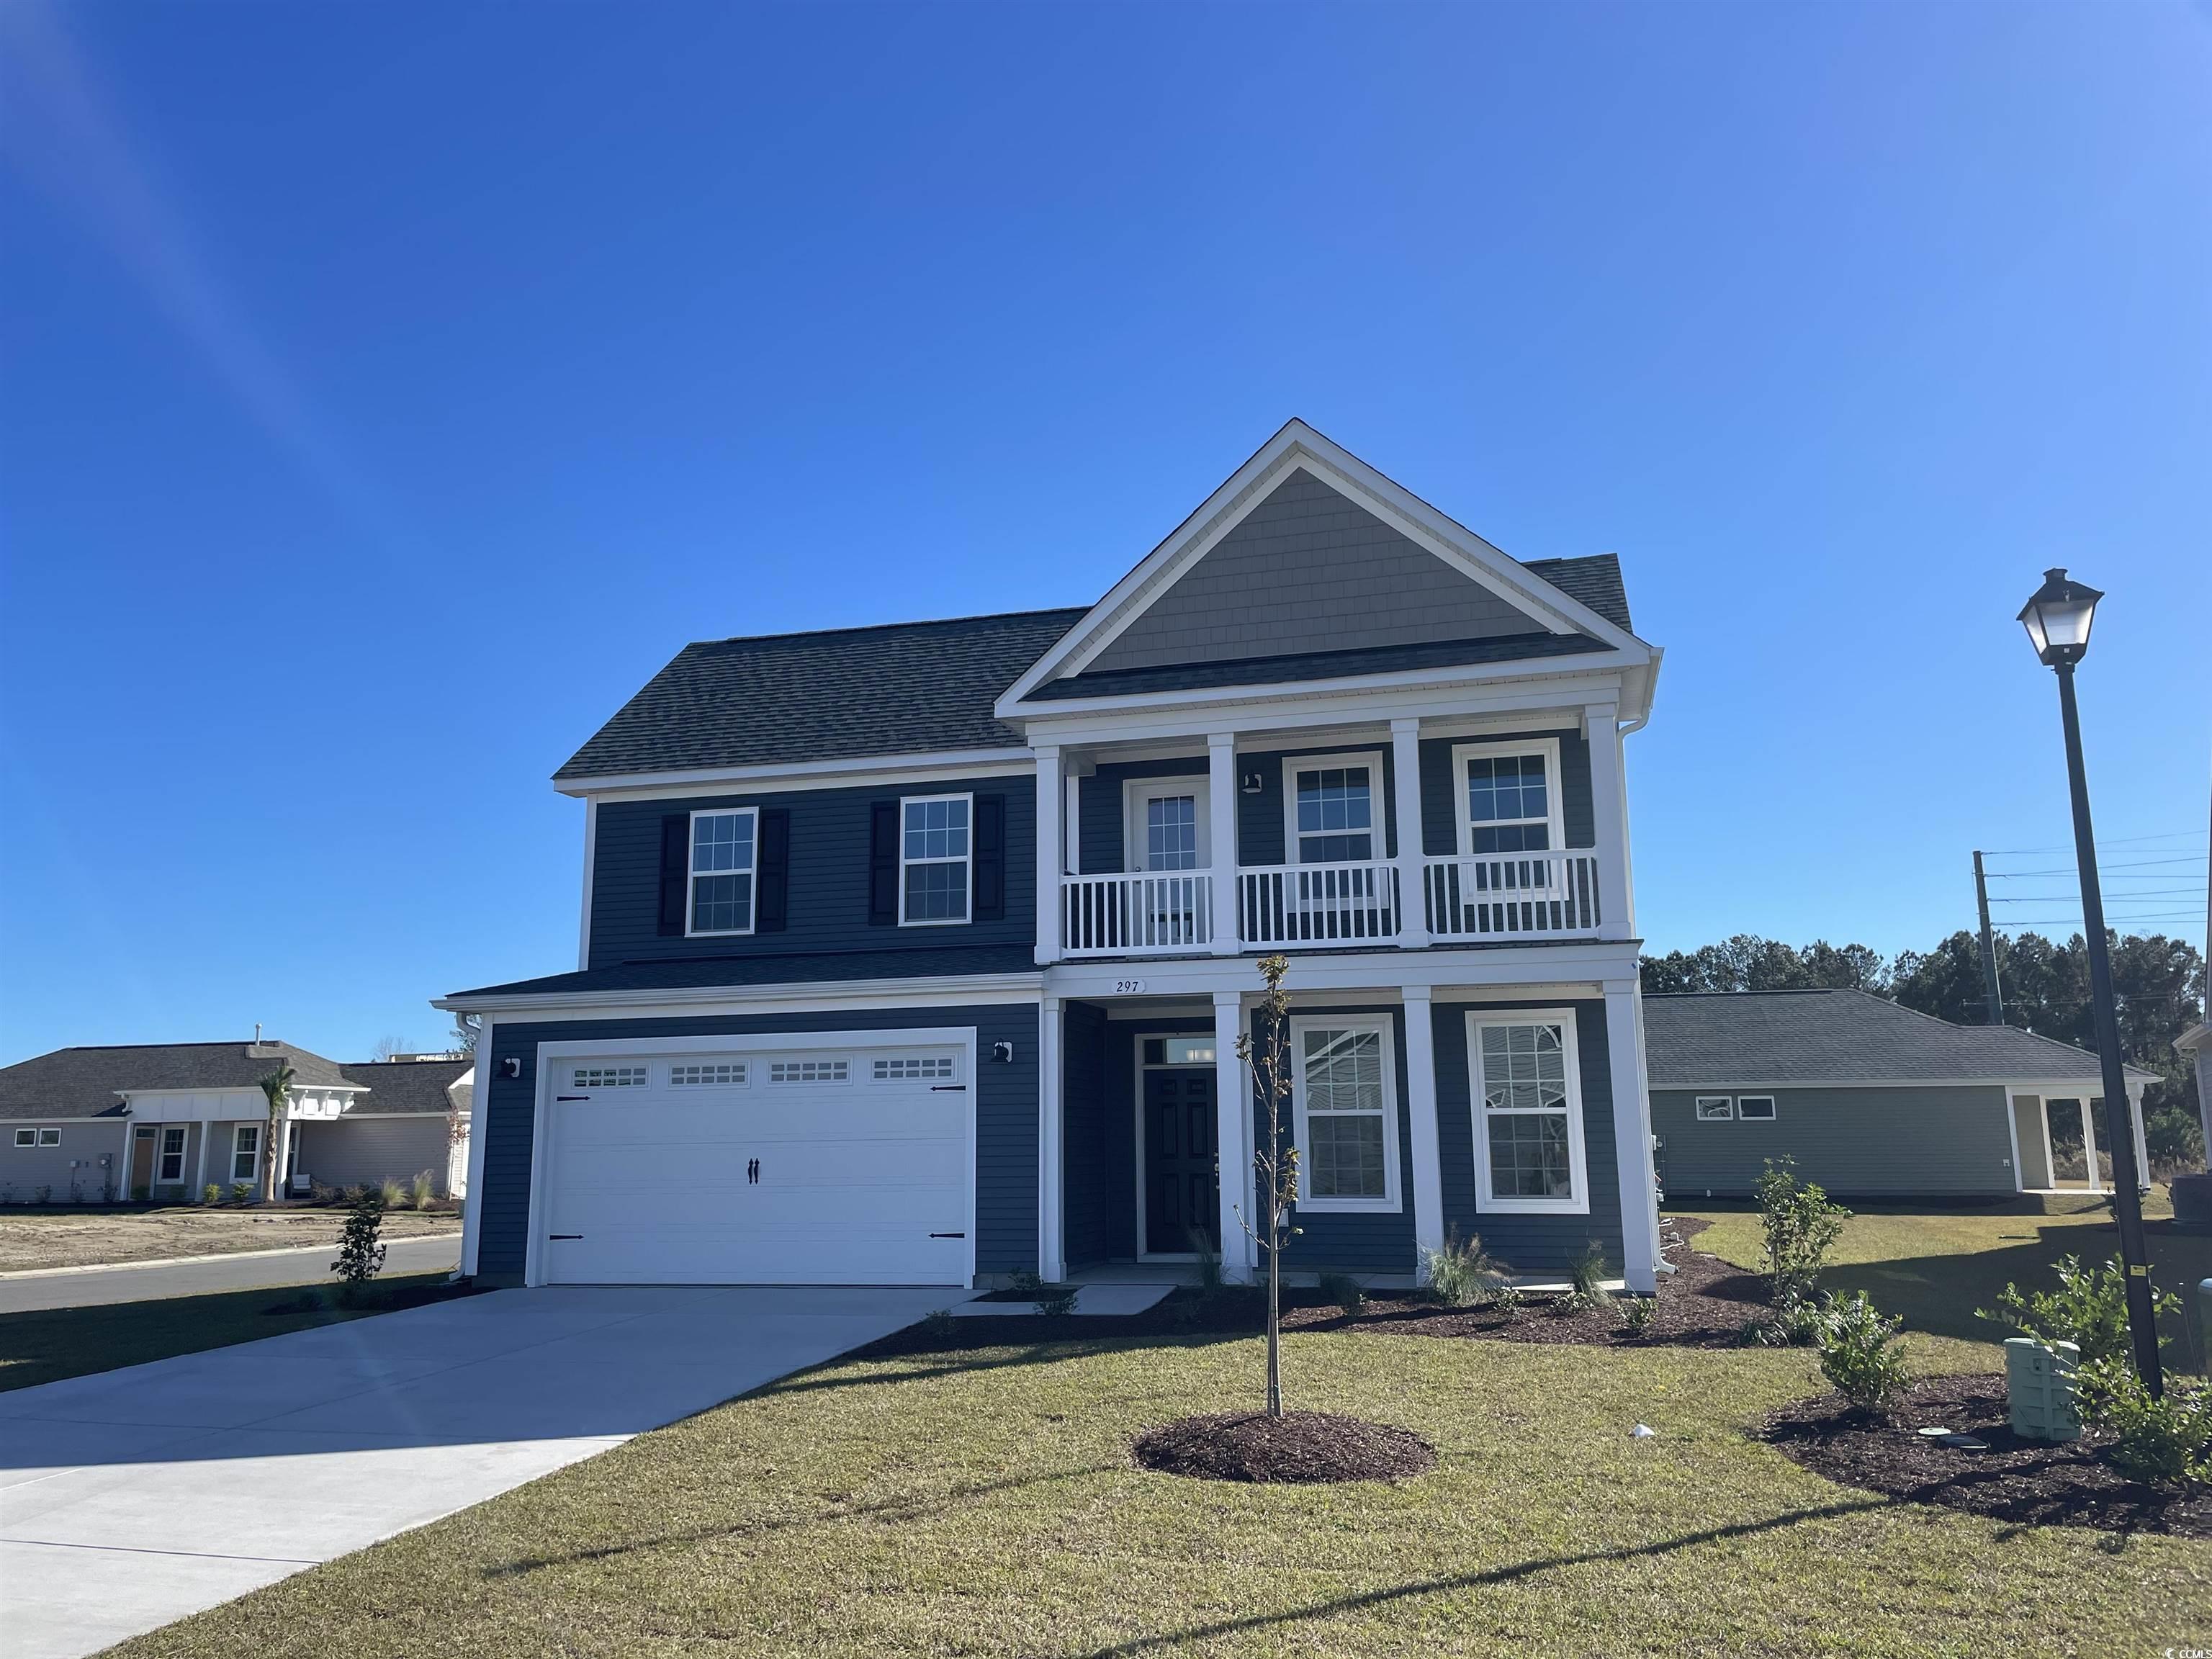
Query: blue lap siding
1005 1118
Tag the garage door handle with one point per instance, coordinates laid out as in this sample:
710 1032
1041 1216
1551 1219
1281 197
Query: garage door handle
560 1235
572 1096
948 1087
948 1234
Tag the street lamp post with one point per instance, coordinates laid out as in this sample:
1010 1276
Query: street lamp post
2058 618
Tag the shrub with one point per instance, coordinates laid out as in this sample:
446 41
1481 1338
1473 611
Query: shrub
2089 1309
241 1191
361 1253
1861 1353
1586 1275
393 1194
1349 1295
939 1324
1638 1312
1801 1226
1458 1272
2163 1443
425 1190
1508 1299
1056 1301
211 1193
1209 1264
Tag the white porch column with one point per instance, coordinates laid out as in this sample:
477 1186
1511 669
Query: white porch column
1221 841
199 1181
479 1136
1609 815
1049 856
1421 1111
284 1158
1631 1136
1232 1110
2135 1121
2089 1109
1406 778
1052 1252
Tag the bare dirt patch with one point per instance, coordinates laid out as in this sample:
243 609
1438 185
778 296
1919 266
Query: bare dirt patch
84 1239
2026 1482
1298 1448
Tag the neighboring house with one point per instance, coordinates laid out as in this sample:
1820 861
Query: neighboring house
163 1121
1872 1099
2198 1041
920 953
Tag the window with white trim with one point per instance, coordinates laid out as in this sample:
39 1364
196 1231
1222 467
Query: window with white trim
1755 1108
1165 823
1510 799
1330 799
171 1167
245 1151
934 866
724 845
608 1077
50 1137
1715 1108
914 1069
1345 1097
27 1136
809 1071
709 1074
1526 1088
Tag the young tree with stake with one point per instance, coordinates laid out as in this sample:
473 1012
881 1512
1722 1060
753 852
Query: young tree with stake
1275 1163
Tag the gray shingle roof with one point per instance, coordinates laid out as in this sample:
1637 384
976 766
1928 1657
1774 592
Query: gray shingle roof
404 1085
1594 579
906 689
82 1082
1727 1038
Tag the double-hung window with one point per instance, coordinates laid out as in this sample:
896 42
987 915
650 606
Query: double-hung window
723 845
172 1153
1331 807
1528 1111
245 1151
1510 802
1344 1091
935 867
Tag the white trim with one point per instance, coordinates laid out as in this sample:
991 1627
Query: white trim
863 771
1762 1086
1298 446
2012 1133
1232 1137
1406 822
238 1130
947 990
692 872
549 1054
1485 1202
591 869
487 1067
1774 1110
1221 825
1057 828
1138 793
1421 1112
1555 816
1726 1115
1635 1145
1385 1027
1346 759
1051 1165
967 860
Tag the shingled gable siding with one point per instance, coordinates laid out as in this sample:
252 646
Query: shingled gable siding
1310 569
827 894
1903 1141
1005 1118
1442 801
1528 1243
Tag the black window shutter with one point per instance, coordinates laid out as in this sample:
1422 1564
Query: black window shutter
882 863
772 912
675 867
990 857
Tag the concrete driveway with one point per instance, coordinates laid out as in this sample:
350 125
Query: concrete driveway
132 1498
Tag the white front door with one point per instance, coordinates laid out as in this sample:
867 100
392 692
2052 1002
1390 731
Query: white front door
782 1166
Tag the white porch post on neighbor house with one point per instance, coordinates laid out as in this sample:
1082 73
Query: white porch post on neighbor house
479 1136
1049 861
2135 1121
2089 1141
1232 1117
1406 776
1221 847
207 1133
1052 1254
1609 816
1421 1111
1631 1138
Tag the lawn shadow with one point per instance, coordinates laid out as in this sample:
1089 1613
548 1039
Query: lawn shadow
982 1356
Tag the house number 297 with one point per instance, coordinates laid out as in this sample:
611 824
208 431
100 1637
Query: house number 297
1128 987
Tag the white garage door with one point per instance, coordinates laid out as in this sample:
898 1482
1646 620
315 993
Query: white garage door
760 1166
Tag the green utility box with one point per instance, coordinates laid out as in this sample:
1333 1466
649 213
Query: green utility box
2039 1384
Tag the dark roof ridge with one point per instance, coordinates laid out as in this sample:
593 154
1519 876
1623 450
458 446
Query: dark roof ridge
886 628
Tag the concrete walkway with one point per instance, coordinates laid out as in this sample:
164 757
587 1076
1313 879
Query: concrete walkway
204 1275
132 1498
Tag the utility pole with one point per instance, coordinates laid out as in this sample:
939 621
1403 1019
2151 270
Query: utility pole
1993 999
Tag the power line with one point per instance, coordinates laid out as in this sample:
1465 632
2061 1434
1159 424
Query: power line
2103 840
2139 864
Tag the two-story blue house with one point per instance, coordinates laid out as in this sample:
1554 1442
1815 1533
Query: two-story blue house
918 954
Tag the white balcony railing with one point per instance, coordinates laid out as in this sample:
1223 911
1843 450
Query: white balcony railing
1497 895
1317 903
1150 912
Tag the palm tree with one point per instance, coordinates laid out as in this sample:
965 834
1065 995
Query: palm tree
278 1086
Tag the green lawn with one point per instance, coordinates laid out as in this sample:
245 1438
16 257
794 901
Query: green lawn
1937 1269
984 1503
51 1344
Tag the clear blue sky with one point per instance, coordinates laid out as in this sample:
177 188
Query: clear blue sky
390 390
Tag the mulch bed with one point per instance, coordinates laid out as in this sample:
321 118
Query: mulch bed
1297 1446
2026 1482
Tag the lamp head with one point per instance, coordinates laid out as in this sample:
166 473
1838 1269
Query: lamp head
2057 618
